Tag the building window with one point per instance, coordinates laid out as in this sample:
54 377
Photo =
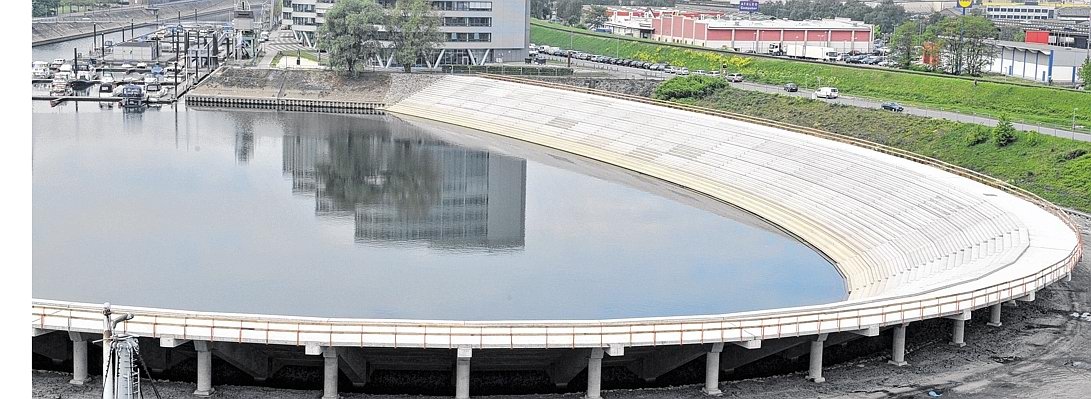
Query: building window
467 21
462 5
469 37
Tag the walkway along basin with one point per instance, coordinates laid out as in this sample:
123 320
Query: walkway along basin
914 239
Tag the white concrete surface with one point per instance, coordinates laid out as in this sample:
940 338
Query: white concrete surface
912 241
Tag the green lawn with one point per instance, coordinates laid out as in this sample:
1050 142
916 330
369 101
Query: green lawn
1021 102
1057 169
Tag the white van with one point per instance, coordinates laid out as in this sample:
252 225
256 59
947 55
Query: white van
826 92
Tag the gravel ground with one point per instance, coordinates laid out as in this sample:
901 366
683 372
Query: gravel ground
1043 350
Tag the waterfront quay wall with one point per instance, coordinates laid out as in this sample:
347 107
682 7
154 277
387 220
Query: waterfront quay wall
304 90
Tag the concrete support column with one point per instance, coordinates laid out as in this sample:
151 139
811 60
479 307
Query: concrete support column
204 368
897 349
594 374
958 332
815 373
994 316
329 373
1068 277
79 358
462 373
712 370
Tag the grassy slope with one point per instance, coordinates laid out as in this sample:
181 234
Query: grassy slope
1027 103
1035 162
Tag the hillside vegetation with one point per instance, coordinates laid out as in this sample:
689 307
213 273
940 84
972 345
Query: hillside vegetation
1020 102
1057 169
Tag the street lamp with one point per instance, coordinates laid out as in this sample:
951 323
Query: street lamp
1074 122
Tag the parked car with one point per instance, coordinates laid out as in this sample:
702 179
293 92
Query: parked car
791 87
734 77
893 106
714 74
683 71
828 93
656 67
699 72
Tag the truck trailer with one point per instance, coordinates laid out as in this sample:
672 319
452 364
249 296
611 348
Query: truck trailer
811 52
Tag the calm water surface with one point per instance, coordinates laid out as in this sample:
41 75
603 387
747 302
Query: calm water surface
374 217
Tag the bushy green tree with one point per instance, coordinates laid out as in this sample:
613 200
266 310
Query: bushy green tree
688 86
903 48
1004 132
964 45
43 8
351 34
1085 72
413 28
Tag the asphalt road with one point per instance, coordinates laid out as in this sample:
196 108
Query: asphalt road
618 71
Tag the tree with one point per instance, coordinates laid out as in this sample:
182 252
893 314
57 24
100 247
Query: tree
413 31
540 9
1004 132
43 8
351 34
1085 72
964 46
902 46
594 16
569 11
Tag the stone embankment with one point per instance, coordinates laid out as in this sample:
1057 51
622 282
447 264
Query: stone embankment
305 90
321 90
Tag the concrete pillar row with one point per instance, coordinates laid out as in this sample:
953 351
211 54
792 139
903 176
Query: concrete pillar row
897 349
79 358
712 370
994 316
204 368
329 373
815 372
462 373
958 332
594 374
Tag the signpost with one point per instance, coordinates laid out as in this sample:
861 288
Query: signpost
965 4
752 6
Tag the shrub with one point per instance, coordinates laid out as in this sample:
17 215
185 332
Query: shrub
977 136
1004 132
688 86
1073 154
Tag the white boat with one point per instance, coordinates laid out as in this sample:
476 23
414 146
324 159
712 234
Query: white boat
40 70
107 77
56 64
60 87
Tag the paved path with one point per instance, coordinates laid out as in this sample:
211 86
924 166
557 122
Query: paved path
640 73
279 40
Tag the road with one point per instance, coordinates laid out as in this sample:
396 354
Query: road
624 72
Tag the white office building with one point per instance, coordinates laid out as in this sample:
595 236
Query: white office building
1019 12
475 32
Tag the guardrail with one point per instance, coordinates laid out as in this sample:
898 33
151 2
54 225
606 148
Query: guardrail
787 322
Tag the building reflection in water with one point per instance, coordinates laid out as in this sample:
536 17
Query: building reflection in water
411 188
